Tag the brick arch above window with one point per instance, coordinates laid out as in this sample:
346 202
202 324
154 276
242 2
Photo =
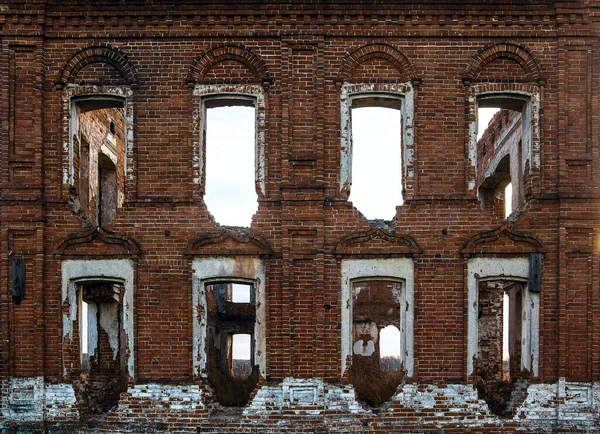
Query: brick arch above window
98 242
504 50
228 242
376 241
372 52
502 239
98 54
208 60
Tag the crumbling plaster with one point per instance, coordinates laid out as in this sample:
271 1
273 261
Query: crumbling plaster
245 91
397 268
70 125
242 268
349 92
509 269
119 270
530 121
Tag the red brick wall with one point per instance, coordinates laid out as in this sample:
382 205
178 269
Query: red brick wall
298 53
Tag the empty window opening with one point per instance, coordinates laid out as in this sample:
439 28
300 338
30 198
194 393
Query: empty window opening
503 125
376 369
376 156
230 150
85 357
242 293
101 345
508 200
389 349
231 341
484 117
98 132
107 190
499 357
241 350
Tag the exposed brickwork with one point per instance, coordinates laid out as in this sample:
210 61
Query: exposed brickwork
301 62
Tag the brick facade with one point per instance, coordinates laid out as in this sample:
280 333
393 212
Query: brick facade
152 65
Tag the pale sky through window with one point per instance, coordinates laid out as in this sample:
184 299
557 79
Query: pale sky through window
376 162
230 145
389 342
240 293
240 349
484 116
84 327
505 324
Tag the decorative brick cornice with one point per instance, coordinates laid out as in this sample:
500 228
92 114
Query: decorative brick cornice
75 244
377 241
239 54
194 20
228 242
502 240
104 53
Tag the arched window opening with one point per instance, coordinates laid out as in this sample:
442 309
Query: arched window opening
231 341
98 139
229 141
376 138
499 348
504 124
103 356
376 369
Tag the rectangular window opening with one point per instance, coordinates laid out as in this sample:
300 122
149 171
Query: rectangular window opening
241 355
229 132
503 125
242 293
85 357
499 347
376 369
231 341
101 343
98 133
376 125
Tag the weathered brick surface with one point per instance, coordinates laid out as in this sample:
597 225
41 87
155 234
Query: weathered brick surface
300 55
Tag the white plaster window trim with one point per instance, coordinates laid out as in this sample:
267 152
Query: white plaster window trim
76 271
70 125
240 269
479 269
531 145
204 92
402 91
399 269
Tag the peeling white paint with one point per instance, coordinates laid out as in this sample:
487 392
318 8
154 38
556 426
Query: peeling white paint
163 397
509 269
92 328
252 91
530 121
75 271
109 321
311 397
28 399
350 91
232 268
70 121
396 268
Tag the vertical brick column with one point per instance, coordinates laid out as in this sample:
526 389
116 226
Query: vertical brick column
302 205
